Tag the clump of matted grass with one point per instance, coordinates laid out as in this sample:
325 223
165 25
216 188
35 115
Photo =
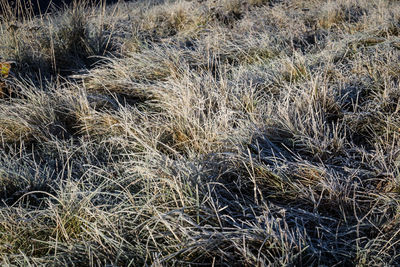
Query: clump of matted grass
64 42
217 133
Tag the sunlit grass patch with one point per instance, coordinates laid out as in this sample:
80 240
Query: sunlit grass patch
215 133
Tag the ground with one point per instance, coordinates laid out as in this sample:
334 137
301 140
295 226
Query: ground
213 133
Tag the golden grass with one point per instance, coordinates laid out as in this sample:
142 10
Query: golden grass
217 133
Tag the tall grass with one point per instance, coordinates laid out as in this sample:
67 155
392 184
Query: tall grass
201 133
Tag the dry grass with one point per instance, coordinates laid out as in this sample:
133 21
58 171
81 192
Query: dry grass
191 133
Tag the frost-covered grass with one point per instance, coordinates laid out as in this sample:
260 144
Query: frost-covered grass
200 133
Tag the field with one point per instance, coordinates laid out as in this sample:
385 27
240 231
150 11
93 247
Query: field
201 133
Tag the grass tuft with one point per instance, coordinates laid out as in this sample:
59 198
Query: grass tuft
200 133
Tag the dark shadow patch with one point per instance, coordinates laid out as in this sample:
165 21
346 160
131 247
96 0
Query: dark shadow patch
354 13
310 40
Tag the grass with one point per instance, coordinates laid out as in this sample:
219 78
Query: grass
200 133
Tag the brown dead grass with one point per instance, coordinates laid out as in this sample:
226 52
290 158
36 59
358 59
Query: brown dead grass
220 133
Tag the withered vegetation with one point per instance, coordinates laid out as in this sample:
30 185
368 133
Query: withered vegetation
201 133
